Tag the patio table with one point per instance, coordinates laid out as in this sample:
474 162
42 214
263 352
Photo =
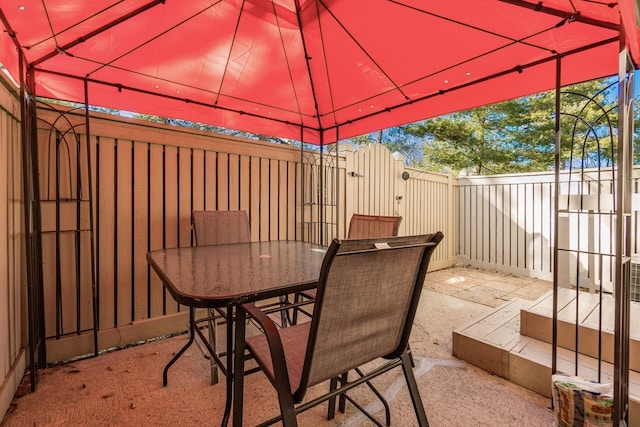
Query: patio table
225 276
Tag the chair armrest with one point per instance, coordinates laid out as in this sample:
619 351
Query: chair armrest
276 349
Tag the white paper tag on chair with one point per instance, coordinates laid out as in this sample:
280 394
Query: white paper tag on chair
382 245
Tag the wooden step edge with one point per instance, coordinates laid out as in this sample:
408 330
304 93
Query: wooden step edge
535 375
539 327
635 314
516 365
565 297
534 356
513 301
541 299
482 354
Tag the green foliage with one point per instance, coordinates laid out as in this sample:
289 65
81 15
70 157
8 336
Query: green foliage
519 135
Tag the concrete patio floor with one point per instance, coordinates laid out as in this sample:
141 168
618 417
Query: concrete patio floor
125 387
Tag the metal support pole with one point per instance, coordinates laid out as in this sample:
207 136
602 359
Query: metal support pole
321 192
554 339
35 301
94 290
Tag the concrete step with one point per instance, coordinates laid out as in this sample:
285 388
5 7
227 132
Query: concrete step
536 322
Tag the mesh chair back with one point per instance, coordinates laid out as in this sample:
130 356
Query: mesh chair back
366 302
220 227
365 226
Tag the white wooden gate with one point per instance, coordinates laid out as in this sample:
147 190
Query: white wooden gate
378 183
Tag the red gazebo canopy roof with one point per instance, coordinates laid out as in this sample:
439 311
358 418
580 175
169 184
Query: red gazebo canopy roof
310 69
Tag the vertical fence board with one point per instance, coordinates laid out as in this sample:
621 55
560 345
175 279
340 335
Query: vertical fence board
245 183
171 212
234 182
210 181
521 216
105 231
273 200
223 182
498 224
291 200
85 265
486 223
199 187
282 200
156 224
546 217
185 188
254 213
536 217
140 230
474 222
265 207
124 221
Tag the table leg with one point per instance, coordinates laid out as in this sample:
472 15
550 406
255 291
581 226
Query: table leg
183 349
230 369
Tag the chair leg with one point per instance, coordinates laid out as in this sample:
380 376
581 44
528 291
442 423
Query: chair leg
213 339
238 375
342 402
284 314
287 408
387 410
412 385
331 412
296 300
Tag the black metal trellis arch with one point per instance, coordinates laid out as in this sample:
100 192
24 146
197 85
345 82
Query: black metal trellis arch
596 197
320 193
67 190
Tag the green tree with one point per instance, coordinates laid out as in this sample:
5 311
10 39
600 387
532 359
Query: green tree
519 135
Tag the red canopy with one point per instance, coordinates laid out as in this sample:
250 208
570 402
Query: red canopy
310 69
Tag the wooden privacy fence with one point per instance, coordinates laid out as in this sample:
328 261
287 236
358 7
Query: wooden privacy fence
145 181
506 223
147 178
13 307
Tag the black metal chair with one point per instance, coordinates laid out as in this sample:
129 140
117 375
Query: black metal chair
369 291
